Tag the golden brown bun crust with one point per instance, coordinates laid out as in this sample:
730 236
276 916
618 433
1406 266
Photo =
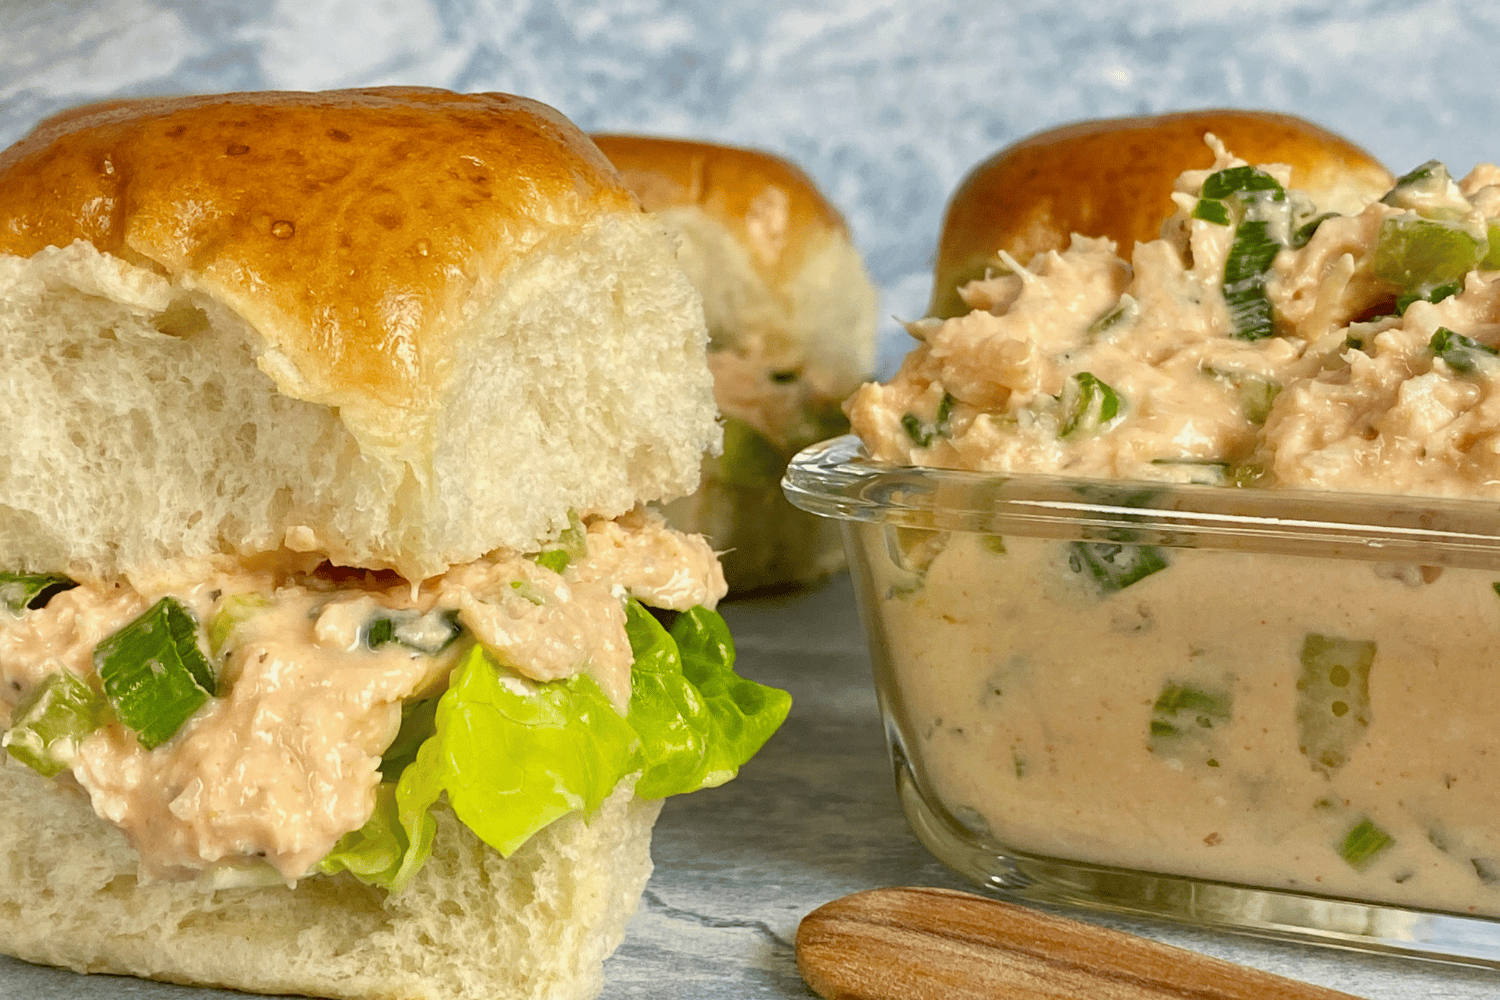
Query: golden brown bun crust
334 221
1113 177
774 208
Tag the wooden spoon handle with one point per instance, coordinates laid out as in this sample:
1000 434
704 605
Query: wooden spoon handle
937 944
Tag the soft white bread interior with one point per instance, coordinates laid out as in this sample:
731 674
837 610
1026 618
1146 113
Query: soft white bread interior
791 313
401 326
1113 177
771 256
471 926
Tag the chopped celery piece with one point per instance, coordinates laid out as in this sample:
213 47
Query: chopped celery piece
750 459
1185 715
1462 354
233 612
155 676
429 633
1417 255
29 591
1333 698
1491 260
416 725
572 543
1256 396
1089 403
47 726
1114 566
1124 312
1362 843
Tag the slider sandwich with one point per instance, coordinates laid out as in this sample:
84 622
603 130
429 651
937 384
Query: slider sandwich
791 321
339 651
1113 178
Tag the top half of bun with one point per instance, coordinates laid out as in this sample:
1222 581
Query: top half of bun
1113 177
772 257
448 300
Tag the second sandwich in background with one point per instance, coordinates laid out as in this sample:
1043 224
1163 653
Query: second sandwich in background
791 318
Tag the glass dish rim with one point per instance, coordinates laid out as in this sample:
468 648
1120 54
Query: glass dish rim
836 478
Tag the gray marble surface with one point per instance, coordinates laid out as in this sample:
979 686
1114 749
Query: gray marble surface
812 818
886 104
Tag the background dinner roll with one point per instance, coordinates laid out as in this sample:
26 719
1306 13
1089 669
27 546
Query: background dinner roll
791 319
400 326
1113 177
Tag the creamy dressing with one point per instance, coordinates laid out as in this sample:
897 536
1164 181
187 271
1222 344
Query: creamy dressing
1026 699
285 760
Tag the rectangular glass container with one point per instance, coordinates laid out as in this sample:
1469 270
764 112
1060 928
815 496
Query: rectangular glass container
1272 711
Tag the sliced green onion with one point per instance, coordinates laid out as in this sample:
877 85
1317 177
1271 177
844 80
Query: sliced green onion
1245 270
1303 234
1212 210
750 459
1429 191
1438 294
1333 698
429 633
1114 566
1089 403
46 727
1363 843
30 591
921 432
1187 711
1124 312
1245 180
1462 354
155 676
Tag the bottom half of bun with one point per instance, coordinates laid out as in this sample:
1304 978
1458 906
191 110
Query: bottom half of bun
471 926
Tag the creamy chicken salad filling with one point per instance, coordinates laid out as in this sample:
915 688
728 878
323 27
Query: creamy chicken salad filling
1259 342
241 720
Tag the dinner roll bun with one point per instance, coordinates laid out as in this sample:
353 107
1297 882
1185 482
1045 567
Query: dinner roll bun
791 314
400 326
1113 177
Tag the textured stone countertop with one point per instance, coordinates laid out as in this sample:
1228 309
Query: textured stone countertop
812 818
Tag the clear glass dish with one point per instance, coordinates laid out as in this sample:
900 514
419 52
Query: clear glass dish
1272 711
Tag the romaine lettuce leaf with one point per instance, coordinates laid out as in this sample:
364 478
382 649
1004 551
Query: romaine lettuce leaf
513 755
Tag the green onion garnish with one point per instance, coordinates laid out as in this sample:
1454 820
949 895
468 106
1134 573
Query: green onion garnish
1245 270
1438 294
29 591
1212 210
921 432
429 633
1460 353
1114 566
1090 404
1333 698
1362 843
1186 712
155 676
47 726
1304 233
1244 180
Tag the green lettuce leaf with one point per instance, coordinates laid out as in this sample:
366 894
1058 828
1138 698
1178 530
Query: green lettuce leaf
512 755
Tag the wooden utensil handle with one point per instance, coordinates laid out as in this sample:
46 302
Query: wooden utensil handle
938 944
